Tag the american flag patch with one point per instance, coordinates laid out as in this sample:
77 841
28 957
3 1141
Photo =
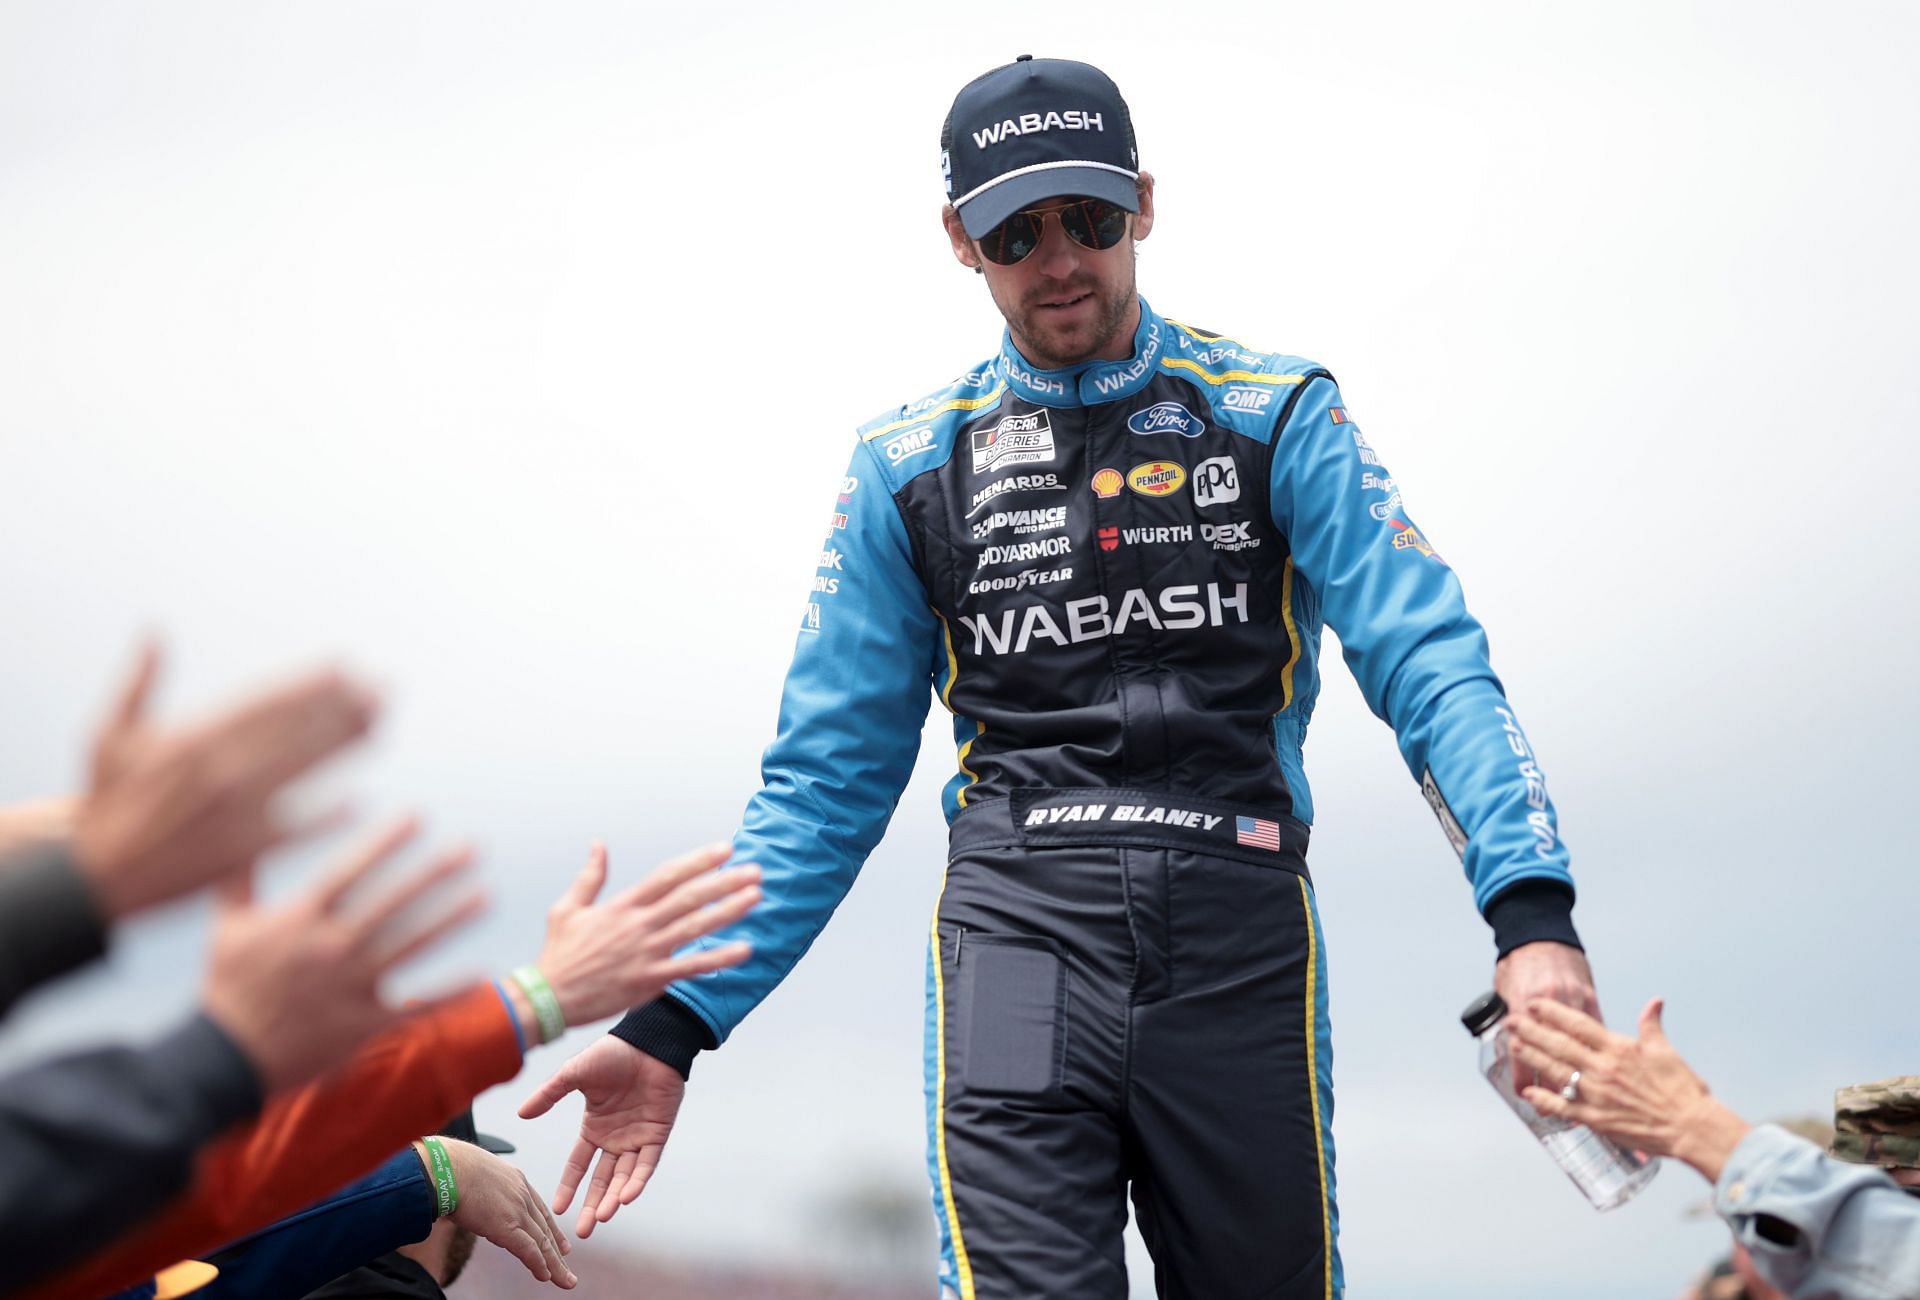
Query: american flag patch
1339 414
1257 833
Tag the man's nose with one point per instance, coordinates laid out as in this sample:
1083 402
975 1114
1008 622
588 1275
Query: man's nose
1057 257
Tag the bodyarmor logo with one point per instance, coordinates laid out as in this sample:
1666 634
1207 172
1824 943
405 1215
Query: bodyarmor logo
1072 119
1092 618
1020 552
1157 478
1251 400
1018 483
1016 440
910 443
1216 481
1166 417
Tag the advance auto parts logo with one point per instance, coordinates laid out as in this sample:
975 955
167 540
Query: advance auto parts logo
1157 478
1016 440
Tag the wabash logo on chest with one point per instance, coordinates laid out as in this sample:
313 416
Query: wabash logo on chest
1016 440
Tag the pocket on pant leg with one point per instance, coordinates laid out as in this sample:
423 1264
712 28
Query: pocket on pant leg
1013 1014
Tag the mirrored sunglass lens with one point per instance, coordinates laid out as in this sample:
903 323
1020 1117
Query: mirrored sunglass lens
1012 239
1093 223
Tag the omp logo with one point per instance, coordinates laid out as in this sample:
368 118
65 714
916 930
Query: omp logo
1241 398
1017 483
1021 552
1072 119
1216 481
1016 440
1166 417
910 443
1170 609
1157 478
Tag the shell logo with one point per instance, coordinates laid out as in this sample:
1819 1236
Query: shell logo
1107 483
1157 478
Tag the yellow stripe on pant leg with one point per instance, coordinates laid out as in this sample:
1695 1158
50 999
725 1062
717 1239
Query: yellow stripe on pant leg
940 1108
1313 1083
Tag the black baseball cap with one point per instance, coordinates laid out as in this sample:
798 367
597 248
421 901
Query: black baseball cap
1036 129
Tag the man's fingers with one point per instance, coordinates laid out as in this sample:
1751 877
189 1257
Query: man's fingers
1573 1023
519 1243
360 863
234 893
1554 1070
572 1172
707 959
1533 1040
676 872
705 921
130 703
622 1170
596 1189
471 907
1551 1104
541 1101
587 885
435 877
645 1162
281 733
1651 1030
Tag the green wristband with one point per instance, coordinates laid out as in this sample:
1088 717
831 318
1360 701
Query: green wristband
446 1193
546 1006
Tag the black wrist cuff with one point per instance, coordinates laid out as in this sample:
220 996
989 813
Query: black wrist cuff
667 1030
1533 911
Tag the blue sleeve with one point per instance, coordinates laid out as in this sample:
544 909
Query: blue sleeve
1819 1228
851 714
391 1207
1420 658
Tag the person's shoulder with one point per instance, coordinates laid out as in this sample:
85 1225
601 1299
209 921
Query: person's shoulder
917 436
1246 387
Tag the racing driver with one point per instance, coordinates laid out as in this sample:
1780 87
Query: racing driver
1108 550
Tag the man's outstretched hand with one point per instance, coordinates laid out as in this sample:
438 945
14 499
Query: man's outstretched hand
1557 972
632 1100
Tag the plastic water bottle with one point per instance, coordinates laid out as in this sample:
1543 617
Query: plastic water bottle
1608 1173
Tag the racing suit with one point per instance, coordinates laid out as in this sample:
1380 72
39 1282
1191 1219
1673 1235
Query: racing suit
1114 577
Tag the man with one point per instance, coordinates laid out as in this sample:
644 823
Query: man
1805 1225
1109 549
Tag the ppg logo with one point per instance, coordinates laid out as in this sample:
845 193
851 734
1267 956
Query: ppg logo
1216 481
1251 400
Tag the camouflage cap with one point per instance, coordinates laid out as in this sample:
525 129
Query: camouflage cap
1879 1123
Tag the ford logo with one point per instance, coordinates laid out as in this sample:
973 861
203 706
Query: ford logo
1166 417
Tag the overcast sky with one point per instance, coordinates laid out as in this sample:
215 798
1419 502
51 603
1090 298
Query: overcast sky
510 353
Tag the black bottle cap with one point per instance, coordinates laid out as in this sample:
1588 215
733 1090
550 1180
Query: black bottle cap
1483 1013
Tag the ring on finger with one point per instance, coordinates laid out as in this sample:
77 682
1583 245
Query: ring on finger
1572 1091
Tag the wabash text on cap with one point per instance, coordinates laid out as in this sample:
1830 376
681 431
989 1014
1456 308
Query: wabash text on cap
1036 129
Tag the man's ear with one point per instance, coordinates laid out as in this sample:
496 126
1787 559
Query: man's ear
964 249
1143 219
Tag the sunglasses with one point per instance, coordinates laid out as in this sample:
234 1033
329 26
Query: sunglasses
1090 223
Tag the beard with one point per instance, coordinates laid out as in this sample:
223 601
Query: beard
459 1251
1057 345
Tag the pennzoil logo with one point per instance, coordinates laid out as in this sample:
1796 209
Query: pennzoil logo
1157 478
1107 483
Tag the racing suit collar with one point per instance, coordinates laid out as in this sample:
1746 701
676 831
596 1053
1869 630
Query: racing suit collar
1090 382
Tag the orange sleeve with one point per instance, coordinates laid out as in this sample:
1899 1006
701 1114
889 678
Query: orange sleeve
308 1143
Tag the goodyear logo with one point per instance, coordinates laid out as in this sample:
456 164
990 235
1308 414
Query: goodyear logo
1157 478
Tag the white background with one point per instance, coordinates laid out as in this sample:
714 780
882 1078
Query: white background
510 353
